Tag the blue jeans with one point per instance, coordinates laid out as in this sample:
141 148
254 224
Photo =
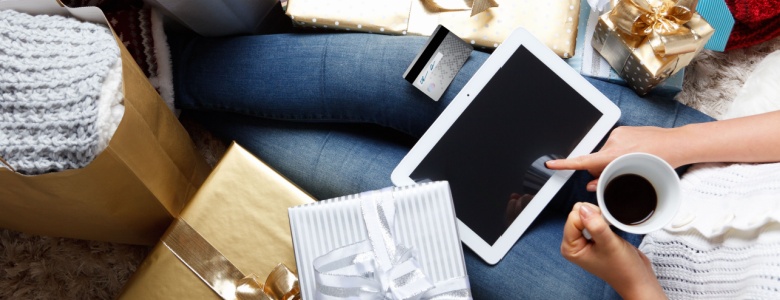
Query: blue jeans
333 114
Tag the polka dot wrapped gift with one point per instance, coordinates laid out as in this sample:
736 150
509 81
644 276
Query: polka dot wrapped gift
647 41
552 22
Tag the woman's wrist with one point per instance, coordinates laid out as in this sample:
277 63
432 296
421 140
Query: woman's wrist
683 146
645 290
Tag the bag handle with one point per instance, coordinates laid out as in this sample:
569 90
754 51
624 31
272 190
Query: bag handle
7 165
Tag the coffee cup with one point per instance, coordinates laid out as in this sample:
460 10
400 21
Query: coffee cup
639 193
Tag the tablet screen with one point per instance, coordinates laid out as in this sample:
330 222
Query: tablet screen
493 155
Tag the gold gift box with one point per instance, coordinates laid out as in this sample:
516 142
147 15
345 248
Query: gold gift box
552 22
241 210
633 56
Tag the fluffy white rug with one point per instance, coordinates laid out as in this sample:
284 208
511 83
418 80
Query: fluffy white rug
713 79
35 267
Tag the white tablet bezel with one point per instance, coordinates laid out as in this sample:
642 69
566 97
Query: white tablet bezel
611 113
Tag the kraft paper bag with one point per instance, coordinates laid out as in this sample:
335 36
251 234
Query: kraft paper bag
241 211
129 193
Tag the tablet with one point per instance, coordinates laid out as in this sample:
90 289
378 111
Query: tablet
524 106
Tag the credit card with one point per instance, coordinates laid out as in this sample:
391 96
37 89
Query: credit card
436 65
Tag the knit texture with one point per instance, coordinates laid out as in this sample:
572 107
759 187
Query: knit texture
51 73
736 265
755 22
720 197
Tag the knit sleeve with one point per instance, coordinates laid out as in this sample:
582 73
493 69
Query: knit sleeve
719 197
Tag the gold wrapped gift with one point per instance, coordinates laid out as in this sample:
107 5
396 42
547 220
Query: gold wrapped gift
241 211
485 23
646 41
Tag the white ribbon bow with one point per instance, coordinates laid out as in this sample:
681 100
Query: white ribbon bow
378 268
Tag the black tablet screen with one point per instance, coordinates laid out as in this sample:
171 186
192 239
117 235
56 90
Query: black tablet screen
525 114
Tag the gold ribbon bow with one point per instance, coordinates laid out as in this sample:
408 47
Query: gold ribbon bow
661 22
281 284
477 6
221 275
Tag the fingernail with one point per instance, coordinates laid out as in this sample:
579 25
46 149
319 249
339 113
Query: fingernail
585 212
549 163
591 187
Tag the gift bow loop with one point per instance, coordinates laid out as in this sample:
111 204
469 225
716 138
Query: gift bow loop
476 7
662 22
281 284
378 268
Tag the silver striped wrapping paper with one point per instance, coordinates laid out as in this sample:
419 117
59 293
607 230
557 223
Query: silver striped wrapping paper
425 220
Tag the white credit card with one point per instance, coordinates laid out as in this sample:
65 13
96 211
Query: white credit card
436 65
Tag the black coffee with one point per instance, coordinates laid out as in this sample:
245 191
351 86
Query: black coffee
630 198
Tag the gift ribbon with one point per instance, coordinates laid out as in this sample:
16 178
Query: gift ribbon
661 22
378 268
477 6
221 275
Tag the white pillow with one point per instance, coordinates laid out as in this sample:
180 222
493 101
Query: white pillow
761 92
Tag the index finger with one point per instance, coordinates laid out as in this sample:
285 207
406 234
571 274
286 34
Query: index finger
583 162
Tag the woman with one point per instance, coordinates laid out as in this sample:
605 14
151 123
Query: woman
333 114
750 139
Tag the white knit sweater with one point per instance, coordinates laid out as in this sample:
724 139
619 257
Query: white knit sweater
725 241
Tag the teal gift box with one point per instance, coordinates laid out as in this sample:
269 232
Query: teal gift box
717 13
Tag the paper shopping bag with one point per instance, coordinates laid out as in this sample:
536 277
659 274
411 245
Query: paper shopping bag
132 190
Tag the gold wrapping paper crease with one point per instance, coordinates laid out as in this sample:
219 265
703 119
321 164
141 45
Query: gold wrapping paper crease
220 274
552 22
476 7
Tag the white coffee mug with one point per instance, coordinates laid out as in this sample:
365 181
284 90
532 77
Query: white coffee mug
659 173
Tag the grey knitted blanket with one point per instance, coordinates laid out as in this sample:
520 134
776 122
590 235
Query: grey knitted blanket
51 72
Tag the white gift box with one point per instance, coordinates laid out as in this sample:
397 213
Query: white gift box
397 243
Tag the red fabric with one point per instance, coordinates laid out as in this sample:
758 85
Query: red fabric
754 11
755 22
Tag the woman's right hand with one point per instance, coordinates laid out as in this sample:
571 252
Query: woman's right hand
608 256
661 142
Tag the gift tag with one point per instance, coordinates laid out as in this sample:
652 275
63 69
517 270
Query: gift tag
435 67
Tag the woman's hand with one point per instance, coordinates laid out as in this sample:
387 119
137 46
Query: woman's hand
607 255
661 142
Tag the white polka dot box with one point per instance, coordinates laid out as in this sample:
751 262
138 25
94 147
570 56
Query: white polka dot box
552 22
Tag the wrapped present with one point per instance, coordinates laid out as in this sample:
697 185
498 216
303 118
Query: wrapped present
717 13
590 63
395 243
235 226
484 23
647 41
